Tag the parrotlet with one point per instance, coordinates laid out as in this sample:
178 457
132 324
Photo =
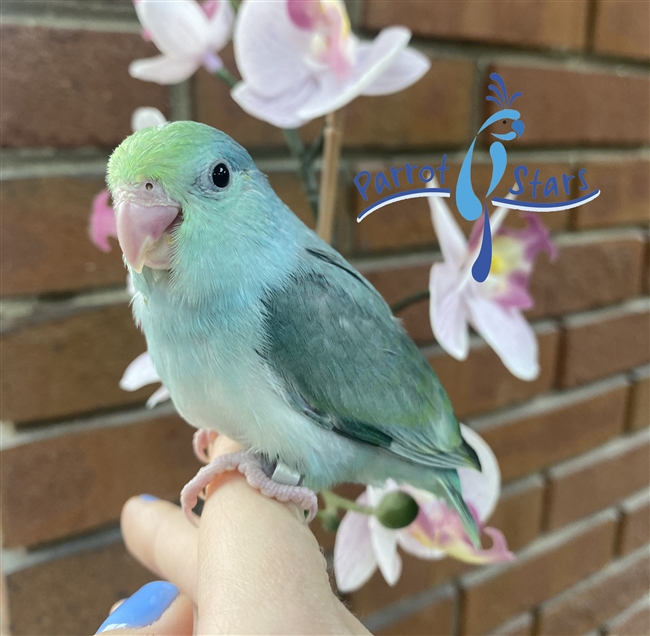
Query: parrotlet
264 333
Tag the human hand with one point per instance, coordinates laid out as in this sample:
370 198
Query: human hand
251 567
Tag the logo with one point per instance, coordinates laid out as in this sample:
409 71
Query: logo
470 206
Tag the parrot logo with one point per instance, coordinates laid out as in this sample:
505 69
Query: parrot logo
469 205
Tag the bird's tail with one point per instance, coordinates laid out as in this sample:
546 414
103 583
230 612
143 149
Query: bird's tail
451 491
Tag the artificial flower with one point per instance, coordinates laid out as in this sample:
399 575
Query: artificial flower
299 60
102 218
362 544
493 307
189 35
140 373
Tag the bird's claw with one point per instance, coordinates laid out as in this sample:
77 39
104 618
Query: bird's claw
250 466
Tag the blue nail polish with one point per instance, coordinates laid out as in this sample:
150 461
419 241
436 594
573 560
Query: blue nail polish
148 498
146 606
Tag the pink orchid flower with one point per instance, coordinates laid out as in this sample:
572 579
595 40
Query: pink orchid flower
299 60
189 35
494 307
363 544
102 218
140 373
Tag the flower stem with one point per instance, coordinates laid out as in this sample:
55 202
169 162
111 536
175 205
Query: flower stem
330 175
334 502
305 158
224 74
400 305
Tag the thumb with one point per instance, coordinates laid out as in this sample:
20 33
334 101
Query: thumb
156 609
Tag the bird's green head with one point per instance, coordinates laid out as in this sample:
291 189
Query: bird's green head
174 187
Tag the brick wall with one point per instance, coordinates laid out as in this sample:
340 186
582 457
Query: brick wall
573 444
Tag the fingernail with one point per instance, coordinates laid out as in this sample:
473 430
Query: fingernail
148 498
145 607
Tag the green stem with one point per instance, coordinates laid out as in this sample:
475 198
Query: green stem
224 74
235 5
334 501
409 300
305 158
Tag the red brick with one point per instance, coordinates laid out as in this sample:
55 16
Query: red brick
622 28
436 110
526 438
435 619
521 625
418 575
70 365
593 601
519 512
69 88
397 280
639 413
45 243
569 107
591 270
607 474
482 383
89 476
605 342
74 593
537 25
635 621
541 571
407 224
624 195
635 522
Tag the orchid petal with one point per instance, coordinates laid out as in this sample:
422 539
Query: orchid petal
220 25
146 117
384 545
408 67
139 373
508 333
164 70
354 559
480 489
333 93
160 395
447 310
268 49
179 29
450 237
281 111
102 222
410 544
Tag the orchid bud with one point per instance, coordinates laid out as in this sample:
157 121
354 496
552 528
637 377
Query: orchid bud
396 510
330 520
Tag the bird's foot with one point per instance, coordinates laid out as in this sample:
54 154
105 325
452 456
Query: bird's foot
251 467
201 441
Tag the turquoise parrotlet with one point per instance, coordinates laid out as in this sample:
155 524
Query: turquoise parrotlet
264 333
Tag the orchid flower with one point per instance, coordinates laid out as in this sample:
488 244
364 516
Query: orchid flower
140 373
493 307
363 544
299 60
102 219
189 35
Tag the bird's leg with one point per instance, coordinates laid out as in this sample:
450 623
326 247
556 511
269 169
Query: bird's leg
201 441
251 467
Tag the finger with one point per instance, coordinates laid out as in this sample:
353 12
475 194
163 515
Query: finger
260 567
156 609
158 535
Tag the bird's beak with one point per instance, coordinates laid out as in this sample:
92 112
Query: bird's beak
144 216
518 127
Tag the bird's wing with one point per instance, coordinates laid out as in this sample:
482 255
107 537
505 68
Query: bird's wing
349 365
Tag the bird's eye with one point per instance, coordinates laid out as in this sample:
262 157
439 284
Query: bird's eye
504 121
221 175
